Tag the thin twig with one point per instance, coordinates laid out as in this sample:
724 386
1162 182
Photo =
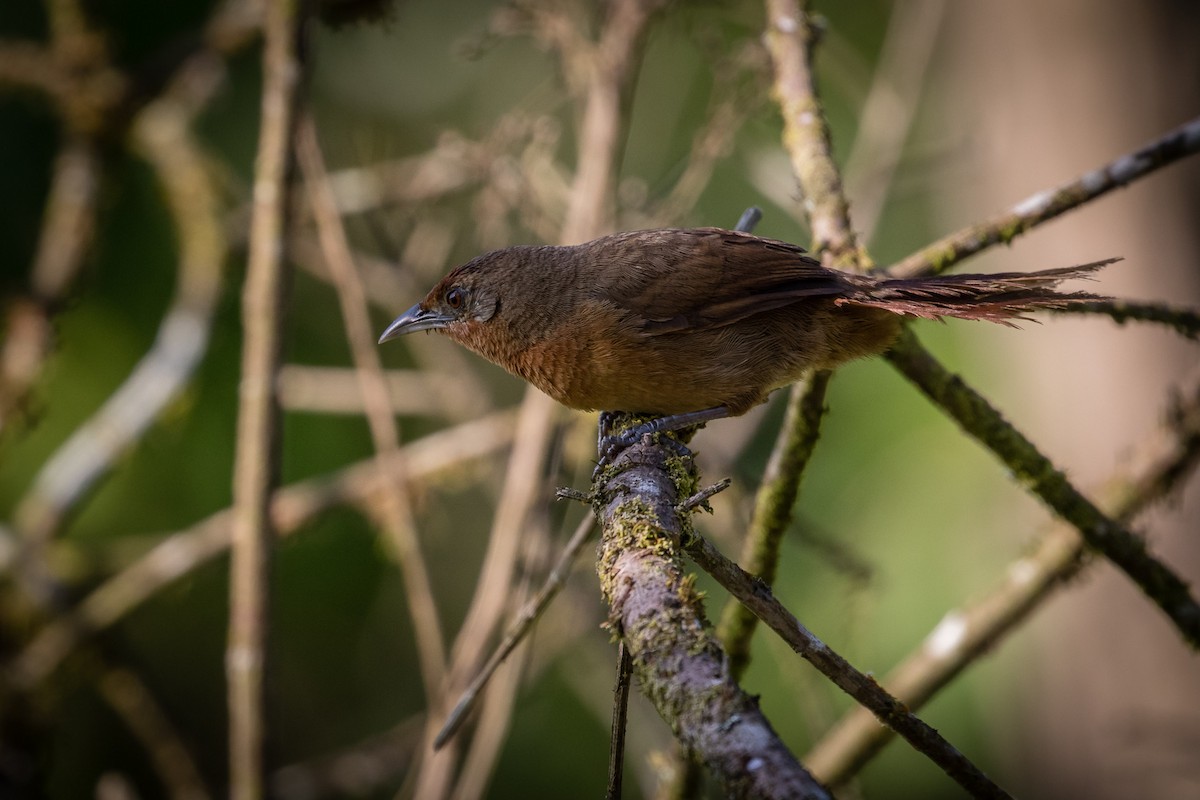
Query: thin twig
700 499
517 630
129 696
1033 470
1038 208
620 718
257 429
774 506
757 596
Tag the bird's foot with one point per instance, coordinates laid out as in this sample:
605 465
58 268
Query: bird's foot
610 445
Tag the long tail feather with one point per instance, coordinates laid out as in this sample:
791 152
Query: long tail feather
1001 297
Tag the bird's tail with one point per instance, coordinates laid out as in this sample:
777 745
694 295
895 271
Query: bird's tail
1001 297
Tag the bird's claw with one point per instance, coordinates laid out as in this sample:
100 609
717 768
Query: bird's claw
612 445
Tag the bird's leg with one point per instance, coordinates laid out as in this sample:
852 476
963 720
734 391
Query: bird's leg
610 445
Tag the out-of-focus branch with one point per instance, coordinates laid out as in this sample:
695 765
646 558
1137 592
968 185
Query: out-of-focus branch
336 390
125 692
65 237
891 104
730 104
517 629
965 634
1034 471
612 67
395 509
162 136
255 463
354 772
1038 208
292 507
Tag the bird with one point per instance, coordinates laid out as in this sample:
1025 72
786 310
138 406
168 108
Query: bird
695 324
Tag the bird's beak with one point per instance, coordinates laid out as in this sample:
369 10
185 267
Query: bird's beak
413 320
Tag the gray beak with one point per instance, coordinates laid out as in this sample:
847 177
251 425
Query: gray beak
413 320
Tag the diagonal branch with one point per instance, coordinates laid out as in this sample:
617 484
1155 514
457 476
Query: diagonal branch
965 634
757 597
1038 208
396 511
1184 321
1035 472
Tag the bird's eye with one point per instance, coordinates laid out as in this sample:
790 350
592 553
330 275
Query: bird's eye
456 298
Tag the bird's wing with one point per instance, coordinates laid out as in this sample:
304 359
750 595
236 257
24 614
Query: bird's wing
702 278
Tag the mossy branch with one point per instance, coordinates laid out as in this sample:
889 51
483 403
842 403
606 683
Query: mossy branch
773 510
656 610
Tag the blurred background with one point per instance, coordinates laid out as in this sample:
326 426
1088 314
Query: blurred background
450 129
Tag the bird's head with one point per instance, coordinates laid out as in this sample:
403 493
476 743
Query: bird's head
460 301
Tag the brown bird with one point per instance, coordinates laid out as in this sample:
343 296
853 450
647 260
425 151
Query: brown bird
702 323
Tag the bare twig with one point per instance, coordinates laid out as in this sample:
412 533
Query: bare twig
257 429
1185 321
517 629
773 509
1043 206
620 718
965 634
1034 471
